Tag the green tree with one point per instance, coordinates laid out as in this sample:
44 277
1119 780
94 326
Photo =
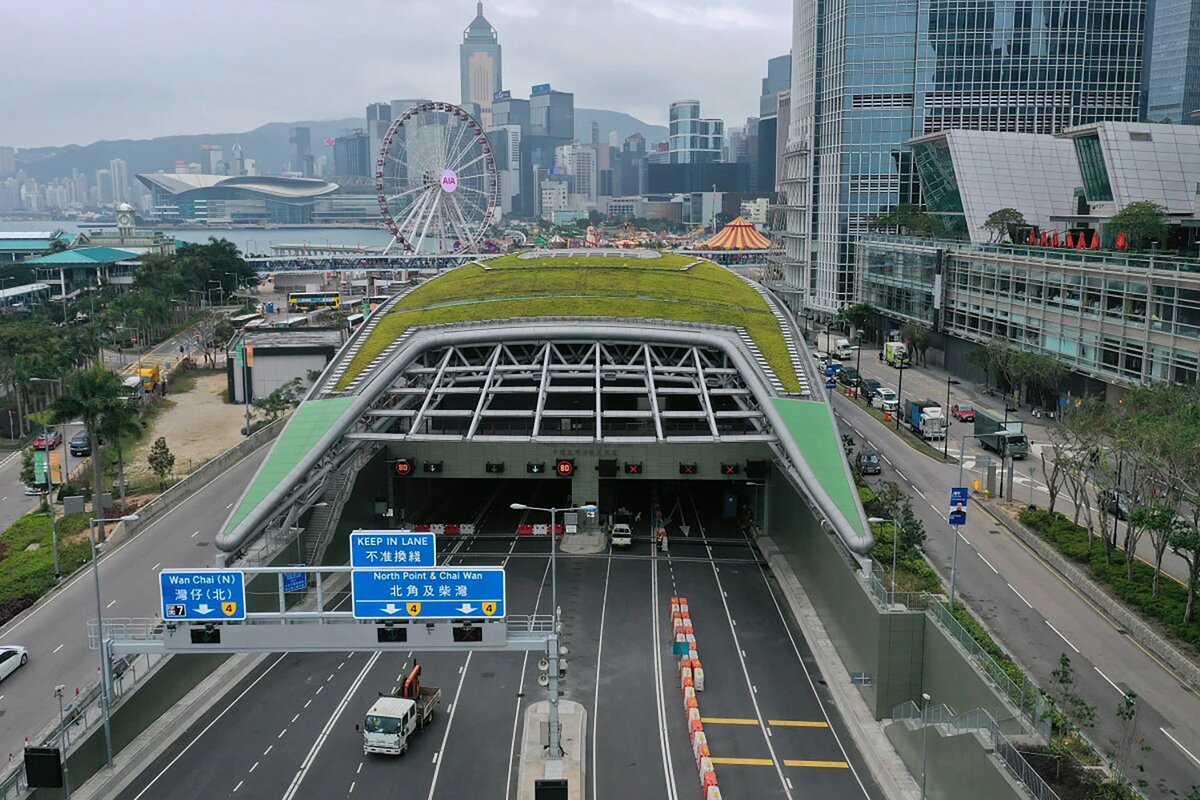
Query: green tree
859 315
1159 522
978 357
280 401
1074 711
919 338
162 461
119 425
1144 222
1185 542
28 473
89 396
903 218
1002 222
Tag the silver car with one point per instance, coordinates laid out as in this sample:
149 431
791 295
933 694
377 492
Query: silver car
11 657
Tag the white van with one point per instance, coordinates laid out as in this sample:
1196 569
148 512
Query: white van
621 535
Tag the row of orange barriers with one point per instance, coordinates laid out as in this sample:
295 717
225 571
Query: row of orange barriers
445 529
542 529
691 681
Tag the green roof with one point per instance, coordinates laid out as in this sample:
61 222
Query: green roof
669 287
313 418
810 425
25 245
83 255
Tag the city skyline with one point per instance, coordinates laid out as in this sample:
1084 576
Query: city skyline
629 40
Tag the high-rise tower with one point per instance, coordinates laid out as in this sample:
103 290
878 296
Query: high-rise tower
479 67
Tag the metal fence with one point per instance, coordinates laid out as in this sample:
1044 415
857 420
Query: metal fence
83 714
979 720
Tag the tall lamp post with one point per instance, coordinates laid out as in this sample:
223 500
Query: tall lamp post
552 643
900 392
924 739
946 445
50 475
62 739
895 540
105 663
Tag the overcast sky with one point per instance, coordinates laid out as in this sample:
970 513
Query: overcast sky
135 69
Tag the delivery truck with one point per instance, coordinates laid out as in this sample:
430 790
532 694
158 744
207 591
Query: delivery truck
896 354
1006 438
394 720
926 419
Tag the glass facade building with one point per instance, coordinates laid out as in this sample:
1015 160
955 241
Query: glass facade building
1173 86
479 66
867 78
694 140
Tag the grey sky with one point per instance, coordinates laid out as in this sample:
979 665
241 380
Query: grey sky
144 68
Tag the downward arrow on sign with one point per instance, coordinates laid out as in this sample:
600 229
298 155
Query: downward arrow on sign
204 608
391 608
465 608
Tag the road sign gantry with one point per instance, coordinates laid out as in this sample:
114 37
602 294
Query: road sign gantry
429 593
202 595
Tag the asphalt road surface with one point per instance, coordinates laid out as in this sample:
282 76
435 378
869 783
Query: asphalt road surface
1038 616
288 729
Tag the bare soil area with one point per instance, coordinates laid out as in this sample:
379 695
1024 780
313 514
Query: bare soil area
198 425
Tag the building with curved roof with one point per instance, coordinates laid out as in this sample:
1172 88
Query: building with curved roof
664 361
234 199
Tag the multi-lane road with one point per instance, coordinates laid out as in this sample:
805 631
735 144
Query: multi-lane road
1035 613
288 729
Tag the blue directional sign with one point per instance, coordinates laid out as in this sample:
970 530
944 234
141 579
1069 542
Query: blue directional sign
830 370
959 496
295 581
202 594
392 549
428 593
830 383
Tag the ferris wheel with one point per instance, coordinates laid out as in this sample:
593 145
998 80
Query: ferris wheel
435 176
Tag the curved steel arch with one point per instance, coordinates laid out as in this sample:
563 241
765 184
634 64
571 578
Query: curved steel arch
422 340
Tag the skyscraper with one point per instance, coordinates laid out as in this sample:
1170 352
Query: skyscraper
120 180
302 157
1173 62
551 113
479 66
352 155
8 161
694 140
865 81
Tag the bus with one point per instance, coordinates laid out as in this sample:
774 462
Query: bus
354 320
244 320
376 300
291 322
313 301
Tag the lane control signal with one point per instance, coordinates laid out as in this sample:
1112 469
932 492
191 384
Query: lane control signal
730 469
687 469
564 467
404 467
495 467
535 468
433 466
633 468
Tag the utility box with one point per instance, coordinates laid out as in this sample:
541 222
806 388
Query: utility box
550 789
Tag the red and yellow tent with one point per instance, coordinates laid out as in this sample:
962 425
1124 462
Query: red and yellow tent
738 235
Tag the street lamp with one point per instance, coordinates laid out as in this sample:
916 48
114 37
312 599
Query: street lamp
220 288
62 739
946 445
895 540
924 739
105 663
66 473
552 643
900 391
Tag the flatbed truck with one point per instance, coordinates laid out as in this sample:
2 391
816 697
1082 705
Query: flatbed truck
396 718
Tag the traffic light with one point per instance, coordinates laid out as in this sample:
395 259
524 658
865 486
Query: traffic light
467 633
535 468
564 467
433 466
495 467
388 634
632 468
404 467
730 469
687 469
607 467
207 634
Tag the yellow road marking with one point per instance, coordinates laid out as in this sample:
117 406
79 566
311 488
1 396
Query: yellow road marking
728 721
827 764
753 762
796 723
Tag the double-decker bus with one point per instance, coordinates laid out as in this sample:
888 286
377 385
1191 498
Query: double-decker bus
313 301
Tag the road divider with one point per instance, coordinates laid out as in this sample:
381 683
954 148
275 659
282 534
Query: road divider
691 681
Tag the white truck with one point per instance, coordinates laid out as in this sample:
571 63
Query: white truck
621 535
842 349
394 719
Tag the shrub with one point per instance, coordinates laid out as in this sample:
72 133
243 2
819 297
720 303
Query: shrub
26 575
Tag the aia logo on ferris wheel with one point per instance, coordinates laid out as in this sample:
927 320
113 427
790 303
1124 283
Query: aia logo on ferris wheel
449 181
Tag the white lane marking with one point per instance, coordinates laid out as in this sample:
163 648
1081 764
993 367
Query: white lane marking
901 474
856 430
1065 639
238 786
435 755
156 566
885 458
923 497
352 785
1018 594
359 770
596 695
512 747
296 717
31 613
309 703
965 539
1110 681
229 506
449 723
324 735
1181 747
281 733
194 534
60 647
264 753
110 605
981 555
216 719
664 745
254 767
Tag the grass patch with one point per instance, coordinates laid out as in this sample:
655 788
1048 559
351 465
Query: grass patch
26 575
184 381
1072 541
513 288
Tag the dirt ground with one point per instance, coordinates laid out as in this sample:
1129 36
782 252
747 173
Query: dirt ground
198 426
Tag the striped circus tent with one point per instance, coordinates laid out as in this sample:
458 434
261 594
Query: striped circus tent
738 235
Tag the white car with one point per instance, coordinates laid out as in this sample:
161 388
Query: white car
11 657
888 399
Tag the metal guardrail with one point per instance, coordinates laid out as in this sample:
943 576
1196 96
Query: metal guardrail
84 713
979 720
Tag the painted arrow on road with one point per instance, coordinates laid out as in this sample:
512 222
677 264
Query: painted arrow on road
686 529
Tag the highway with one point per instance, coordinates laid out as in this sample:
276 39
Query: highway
55 631
1035 614
288 730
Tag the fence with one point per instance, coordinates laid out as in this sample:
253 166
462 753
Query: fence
980 721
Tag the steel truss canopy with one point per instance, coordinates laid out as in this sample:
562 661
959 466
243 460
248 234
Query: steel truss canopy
564 391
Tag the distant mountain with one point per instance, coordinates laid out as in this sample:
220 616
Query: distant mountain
617 121
267 145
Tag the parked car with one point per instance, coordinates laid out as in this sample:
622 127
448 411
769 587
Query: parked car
821 356
1115 503
47 440
849 376
11 657
888 399
963 412
871 387
867 463
81 444
34 491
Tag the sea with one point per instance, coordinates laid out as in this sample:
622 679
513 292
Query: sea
248 240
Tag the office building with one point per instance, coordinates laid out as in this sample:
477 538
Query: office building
506 148
509 110
479 66
119 174
400 106
694 140
8 161
578 163
1172 80
238 163
551 112
213 158
866 82
352 155
778 79
103 187
708 176
302 162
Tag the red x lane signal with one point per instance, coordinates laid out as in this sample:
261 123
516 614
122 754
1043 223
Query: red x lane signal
729 469
687 469
633 469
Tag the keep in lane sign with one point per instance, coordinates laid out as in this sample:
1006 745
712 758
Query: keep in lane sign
202 594
392 549
429 593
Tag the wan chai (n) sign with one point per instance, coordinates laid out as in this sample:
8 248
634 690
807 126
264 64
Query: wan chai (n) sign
429 593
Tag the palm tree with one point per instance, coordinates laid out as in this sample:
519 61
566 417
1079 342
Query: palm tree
89 397
118 422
